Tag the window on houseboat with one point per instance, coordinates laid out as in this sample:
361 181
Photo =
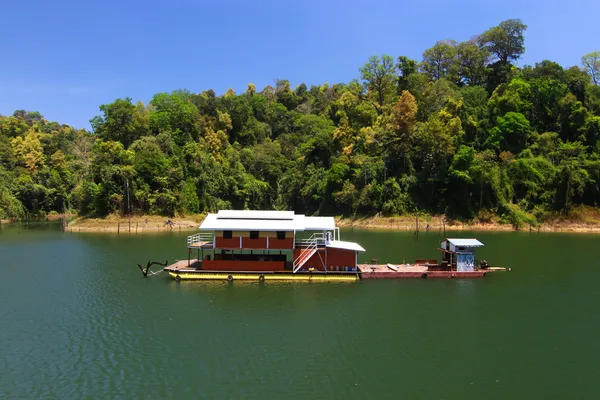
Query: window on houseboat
227 234
253 234
280 235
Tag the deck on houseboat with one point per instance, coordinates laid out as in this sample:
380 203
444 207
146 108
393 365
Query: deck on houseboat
405 271
187 270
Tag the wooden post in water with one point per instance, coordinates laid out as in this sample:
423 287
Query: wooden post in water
136 225
129 225
417 225
118 227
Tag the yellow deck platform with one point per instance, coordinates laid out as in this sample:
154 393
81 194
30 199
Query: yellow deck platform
248 276
186 270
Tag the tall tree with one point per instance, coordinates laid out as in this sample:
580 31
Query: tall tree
29 151
591 63
406 66
472 61
572 176
117 121
379 80
511 133
175 113
505 41
403 124
440 61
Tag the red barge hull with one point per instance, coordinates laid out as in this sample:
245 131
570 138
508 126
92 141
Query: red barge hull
389 271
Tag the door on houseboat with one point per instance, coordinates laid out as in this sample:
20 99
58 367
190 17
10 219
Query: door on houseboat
465 262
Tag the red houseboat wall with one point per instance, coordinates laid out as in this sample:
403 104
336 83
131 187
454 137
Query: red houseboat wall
266 240
314 261
281 244
258 243
336 259
232 243
340 258
231 265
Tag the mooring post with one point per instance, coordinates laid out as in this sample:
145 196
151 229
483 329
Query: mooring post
136 225
118 227
417 227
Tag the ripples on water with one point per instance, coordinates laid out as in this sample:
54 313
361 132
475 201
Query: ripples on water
81 322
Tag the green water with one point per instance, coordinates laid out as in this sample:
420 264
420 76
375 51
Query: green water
79 321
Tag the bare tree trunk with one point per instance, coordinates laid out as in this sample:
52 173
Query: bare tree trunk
567 195
481 195
417 225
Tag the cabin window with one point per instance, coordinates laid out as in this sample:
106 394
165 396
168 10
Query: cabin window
227 234
280 235
253 234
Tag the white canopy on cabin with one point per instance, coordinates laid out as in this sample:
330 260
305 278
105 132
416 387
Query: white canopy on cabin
465 242
339 244
264 220
461 245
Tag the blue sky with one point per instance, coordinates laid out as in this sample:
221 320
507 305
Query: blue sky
65 58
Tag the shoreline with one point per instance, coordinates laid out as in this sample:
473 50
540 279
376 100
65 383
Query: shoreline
134 225
409 224
406 223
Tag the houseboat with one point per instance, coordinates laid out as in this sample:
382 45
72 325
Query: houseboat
268 245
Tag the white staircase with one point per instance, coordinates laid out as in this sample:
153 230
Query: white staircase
303 257
309 248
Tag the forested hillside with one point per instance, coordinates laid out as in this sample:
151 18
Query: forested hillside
462 132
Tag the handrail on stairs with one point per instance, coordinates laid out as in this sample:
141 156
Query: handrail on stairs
311 246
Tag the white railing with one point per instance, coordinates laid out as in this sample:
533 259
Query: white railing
306 252
308 248
206 237
319 238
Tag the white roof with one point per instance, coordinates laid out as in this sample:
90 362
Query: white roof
262 220
255 214
213 223
339 244
317 223
465 242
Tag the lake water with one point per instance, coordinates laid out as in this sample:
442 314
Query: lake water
78 321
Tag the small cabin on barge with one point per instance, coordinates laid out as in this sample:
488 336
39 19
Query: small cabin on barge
270 241
459 254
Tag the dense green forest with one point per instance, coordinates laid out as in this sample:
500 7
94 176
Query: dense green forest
463 132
